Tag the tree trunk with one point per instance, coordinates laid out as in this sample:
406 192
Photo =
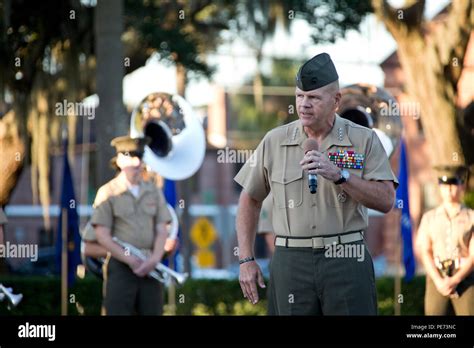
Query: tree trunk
426 81
12 149
111 119
432 59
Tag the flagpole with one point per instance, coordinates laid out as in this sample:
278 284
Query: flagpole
398 276
64 263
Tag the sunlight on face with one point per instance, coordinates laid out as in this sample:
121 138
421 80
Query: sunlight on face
130 165
451 193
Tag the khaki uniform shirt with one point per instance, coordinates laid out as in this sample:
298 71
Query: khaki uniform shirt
132 220
265 221
3 218
449 237
274 166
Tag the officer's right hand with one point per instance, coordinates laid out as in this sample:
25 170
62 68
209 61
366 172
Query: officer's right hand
250 273
446 286
133 262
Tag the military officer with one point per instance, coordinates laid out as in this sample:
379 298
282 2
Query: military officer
447 248
135 212
3 221
353 174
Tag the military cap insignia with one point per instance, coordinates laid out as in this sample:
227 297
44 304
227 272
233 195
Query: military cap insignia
347 159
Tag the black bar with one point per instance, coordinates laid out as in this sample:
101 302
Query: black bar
258 330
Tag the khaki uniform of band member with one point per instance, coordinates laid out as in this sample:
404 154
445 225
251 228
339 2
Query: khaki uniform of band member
132 220
450 239
342 285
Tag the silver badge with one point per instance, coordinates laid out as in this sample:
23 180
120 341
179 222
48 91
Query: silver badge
340 135
341 197
294 134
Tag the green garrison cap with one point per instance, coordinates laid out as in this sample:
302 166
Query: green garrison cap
451 175
317 72
126 144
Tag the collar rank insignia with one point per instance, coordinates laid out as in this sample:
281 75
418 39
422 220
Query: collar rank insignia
347 159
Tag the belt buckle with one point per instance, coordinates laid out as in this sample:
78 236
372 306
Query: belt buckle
334 242
315 245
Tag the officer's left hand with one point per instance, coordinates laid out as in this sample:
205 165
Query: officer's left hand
447 286
145 268
318 163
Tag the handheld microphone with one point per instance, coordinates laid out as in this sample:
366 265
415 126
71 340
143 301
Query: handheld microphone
309 145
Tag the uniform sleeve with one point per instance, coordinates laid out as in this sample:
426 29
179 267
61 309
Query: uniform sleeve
265 221
162 215
253 176
377 167
103 214
3 218
88 233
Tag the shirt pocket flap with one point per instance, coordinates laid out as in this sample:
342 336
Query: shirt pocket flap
290 176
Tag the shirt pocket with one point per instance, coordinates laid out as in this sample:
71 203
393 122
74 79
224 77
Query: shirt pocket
149 208
288 189
123 207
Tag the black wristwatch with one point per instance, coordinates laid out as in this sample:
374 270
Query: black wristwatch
247 259
345 174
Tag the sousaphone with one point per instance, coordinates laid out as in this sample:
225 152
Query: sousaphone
178 141
369 106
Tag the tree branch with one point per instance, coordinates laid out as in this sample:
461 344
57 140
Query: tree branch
453 36
402 21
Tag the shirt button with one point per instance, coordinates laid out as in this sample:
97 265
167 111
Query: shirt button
313 204
313 227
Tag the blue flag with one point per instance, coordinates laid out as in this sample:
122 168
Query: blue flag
405 223
68 202
169 190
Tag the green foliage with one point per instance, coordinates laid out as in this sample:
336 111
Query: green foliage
196 297
277 109
283 73
42 296
179 31
255 21
469 199
34 32
411 297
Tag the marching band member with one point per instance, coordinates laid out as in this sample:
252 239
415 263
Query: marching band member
135 212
